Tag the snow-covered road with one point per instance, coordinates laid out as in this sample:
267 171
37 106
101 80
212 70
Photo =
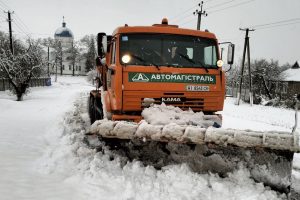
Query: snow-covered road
42 155
24 126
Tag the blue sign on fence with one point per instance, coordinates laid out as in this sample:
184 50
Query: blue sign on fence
48 82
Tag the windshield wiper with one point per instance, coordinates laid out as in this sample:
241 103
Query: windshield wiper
193 62
144 61
157 66
186 58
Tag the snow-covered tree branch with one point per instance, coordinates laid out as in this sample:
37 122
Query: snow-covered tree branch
22 66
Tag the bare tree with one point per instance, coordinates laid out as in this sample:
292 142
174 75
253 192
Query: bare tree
74 55
89 42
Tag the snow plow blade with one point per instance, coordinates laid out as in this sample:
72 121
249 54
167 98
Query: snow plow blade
267 155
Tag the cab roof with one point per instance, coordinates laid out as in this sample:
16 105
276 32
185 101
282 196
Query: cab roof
163 28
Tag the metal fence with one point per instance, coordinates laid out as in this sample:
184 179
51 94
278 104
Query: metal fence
34 82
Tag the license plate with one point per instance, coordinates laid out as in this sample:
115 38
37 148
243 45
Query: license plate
197 88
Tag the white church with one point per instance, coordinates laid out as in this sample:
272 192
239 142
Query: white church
66 37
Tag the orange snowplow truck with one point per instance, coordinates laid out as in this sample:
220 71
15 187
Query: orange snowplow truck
162 63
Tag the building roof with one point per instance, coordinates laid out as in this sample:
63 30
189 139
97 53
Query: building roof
292 74
295 66
63 32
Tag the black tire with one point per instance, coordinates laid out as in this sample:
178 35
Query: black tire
98 109
91 109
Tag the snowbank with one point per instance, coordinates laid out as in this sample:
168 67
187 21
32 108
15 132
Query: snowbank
106 175
169 123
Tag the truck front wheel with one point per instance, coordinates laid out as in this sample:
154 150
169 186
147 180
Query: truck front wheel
91 109
98 107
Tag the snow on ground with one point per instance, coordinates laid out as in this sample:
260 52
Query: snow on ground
257 117
23 128
43 155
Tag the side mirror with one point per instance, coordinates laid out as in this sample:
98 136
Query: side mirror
101 47
104 44
109 40
230 54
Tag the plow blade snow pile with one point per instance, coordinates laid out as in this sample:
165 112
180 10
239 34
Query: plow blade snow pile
267 155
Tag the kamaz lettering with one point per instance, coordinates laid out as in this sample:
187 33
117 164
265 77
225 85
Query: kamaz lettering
170 99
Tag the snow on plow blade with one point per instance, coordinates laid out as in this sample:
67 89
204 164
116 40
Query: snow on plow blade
267 155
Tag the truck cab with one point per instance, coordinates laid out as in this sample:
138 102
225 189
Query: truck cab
141 65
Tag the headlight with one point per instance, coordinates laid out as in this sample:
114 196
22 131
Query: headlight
126 58
220 63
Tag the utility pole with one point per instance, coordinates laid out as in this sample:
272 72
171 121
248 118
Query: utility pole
61 58
55 71
48 61
200 13
246 49
10 32
73 60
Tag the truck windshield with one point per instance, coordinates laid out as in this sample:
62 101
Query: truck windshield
168 50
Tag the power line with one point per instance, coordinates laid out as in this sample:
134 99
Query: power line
208 1
18 26
6 7
180 19
17 21
222 9
279 25
176 16
220 4
31 33
186 22
2 8
239 4
22 23
185 11
277 22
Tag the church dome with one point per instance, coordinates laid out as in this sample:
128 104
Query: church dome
63 32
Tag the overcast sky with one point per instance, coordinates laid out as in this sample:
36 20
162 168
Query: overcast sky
225 17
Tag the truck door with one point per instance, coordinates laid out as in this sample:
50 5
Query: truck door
111 68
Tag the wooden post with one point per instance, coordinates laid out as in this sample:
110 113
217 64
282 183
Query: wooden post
246 48
249 71
242 70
